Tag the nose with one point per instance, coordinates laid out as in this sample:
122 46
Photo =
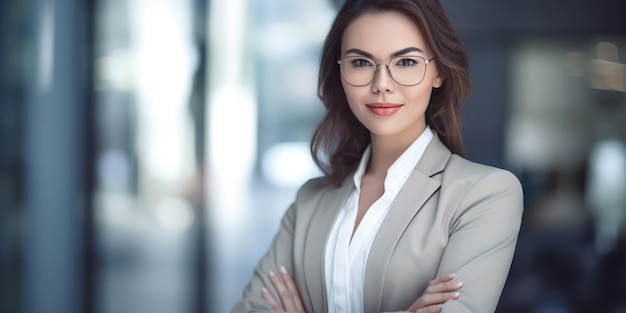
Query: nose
382 80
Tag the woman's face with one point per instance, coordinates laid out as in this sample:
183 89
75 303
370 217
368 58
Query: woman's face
385 107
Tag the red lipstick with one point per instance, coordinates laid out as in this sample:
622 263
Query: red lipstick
383 109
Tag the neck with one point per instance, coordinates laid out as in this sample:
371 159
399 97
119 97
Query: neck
386 150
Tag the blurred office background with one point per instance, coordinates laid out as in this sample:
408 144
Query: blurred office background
148 148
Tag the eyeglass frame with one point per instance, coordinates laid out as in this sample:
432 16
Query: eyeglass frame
426 62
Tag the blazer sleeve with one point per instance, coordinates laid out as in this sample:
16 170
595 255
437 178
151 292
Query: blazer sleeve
482 240
279 253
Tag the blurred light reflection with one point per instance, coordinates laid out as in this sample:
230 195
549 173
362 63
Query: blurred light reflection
46 44
289 164
607 73
164 66
116 71
606 188
175 214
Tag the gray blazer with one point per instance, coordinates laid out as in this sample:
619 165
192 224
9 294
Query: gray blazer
451 216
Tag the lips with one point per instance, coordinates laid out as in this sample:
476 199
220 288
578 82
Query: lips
384 109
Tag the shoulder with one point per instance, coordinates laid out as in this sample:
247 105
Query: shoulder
314 185
318 194
479 196
467 186
313 188
471 174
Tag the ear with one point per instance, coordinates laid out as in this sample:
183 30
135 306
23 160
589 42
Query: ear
438 81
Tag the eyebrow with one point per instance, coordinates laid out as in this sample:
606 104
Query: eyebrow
395 54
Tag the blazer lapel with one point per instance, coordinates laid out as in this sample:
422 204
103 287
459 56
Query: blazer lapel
418 188
322 221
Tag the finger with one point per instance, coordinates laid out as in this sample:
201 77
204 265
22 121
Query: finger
268 297
430 309
291 286
442 278
438 298
448 286
283 292
434 299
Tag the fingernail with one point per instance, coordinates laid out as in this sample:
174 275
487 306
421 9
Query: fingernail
452 275
460 283
264 290
456 294
272 273
283 269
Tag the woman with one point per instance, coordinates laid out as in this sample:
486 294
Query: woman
400 222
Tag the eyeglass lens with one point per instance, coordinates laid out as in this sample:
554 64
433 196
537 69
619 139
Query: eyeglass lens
404 70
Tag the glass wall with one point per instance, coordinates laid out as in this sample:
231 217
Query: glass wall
263 107
149 155
153 188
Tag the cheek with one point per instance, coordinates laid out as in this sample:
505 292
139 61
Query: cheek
347 90
422 93
353 95
353 105
419 99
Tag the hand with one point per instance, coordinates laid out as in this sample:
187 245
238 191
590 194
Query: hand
439 291
288 292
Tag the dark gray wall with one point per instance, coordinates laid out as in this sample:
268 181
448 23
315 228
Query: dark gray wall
489 29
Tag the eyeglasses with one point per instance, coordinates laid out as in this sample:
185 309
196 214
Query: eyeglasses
405 70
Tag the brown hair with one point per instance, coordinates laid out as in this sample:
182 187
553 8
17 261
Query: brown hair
340 139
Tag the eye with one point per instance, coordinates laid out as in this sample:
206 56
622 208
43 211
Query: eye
361 63
407 62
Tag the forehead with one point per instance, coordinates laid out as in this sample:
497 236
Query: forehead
382 34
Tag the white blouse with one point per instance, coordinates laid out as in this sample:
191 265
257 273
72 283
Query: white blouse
345 260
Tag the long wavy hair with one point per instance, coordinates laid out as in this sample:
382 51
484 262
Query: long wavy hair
340 139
